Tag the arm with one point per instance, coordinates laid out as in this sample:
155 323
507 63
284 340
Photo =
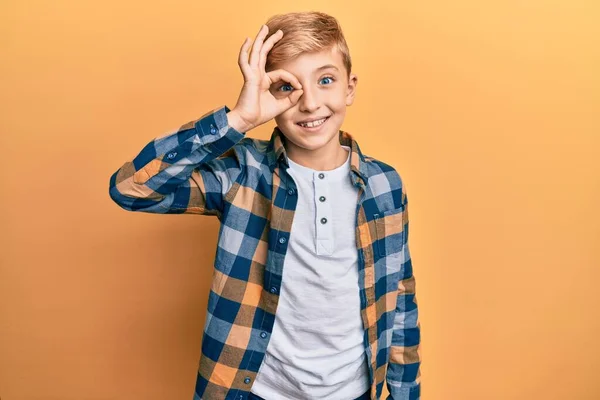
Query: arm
403 372
182 172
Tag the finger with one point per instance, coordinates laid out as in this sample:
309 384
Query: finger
267 46
283 75
258 42
243 58
291 100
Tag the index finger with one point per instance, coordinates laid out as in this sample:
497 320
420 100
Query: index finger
283 75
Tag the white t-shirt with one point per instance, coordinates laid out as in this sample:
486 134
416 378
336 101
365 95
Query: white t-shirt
316 349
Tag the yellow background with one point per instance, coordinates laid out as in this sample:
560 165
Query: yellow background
488 109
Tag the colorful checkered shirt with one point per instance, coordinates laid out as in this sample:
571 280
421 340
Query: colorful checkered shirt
207 167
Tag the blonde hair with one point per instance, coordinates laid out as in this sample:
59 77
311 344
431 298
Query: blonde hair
304 32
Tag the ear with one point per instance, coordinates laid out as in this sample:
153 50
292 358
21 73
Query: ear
351 90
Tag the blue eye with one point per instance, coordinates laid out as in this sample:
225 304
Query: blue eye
289 87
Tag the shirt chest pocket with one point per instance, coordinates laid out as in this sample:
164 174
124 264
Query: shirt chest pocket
389 232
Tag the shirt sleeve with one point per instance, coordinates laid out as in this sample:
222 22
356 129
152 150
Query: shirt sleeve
190 170
403 372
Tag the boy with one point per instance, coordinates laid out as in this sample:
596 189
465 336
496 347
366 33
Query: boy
313 295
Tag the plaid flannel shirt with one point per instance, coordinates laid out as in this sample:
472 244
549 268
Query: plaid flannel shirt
207 167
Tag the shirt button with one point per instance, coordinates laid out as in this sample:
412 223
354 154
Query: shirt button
273 289
263 335
247 380
172 155
282 240
213 130
291 192
322 198
321 175
323 220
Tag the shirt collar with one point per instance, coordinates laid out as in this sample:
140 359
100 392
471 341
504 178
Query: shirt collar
276 152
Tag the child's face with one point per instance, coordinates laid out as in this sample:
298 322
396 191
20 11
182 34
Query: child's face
327 93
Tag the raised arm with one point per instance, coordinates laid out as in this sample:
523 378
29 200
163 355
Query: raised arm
182 172
193 169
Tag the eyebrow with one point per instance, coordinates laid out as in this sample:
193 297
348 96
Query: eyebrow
326 67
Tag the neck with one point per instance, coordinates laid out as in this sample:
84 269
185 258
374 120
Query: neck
326 158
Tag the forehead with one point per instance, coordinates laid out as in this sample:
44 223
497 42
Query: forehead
307 64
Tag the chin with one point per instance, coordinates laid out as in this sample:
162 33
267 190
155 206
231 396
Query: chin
311 142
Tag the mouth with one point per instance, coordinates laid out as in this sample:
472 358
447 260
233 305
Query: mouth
313 126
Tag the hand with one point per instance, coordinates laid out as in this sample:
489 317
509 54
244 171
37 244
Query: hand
256 104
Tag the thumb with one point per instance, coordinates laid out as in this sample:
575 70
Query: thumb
289 101
294 97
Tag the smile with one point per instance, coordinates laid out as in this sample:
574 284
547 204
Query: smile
312 125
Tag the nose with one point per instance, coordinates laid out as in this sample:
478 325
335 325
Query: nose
309 101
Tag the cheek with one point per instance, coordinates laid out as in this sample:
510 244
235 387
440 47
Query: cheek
339 107
280 120
339 100
286 115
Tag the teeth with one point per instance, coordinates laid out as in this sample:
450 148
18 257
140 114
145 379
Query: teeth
312 124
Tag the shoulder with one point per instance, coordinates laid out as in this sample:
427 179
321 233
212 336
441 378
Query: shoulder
385 180
250 153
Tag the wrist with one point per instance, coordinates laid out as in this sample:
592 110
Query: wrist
236 122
